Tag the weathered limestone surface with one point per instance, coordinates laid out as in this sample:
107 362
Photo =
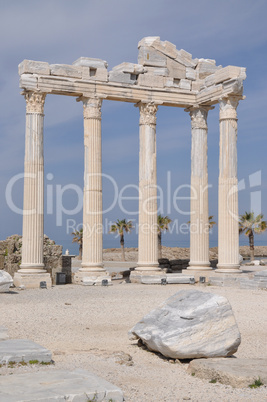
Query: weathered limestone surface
58 385
238 373
5 281
17 350
190 324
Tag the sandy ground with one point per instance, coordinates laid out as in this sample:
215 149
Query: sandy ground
87 327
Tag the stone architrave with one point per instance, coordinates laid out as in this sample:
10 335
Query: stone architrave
32 270
92 259
228 225
148 233
199 204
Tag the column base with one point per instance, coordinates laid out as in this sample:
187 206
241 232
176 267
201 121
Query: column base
91 277
228 269
32 280
148 266
199 266
32 268
89 267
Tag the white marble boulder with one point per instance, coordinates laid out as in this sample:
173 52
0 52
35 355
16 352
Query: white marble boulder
5 281
190 324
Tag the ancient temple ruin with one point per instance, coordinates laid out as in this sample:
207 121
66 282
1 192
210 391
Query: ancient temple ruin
164 76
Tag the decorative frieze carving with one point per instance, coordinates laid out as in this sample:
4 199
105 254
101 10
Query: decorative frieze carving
35 102
92 108
228 108
148 113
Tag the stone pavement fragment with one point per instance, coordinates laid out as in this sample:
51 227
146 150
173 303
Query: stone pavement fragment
57 385
230 371
17 350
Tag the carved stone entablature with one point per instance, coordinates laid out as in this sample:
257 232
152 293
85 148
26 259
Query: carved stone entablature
34 102
164 75
228 108
92 108
148 113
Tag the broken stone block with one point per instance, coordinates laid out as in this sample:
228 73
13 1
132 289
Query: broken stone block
167 48
148 41
149 80
185 84
148 56
222 75
164 72
206 67
190 74
198 85
176 70
123 78
34 67
190 324
66 71
130 68
93 69
90 62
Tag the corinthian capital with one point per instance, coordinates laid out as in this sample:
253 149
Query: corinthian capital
199 117
228 108
148 113
92 108
35 102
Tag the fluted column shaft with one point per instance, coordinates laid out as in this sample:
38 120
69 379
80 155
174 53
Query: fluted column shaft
92 259
33 204
228 236
147 236
199 203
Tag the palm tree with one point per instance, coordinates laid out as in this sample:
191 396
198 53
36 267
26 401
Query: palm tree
163 225
249 224
121 227
211 222
78 238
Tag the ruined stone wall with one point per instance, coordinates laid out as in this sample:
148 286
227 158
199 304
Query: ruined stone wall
10 254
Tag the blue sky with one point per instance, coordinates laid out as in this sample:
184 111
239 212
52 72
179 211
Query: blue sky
231 32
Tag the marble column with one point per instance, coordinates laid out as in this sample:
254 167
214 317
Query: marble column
32 265
92 259
228 226
147 231
199 204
